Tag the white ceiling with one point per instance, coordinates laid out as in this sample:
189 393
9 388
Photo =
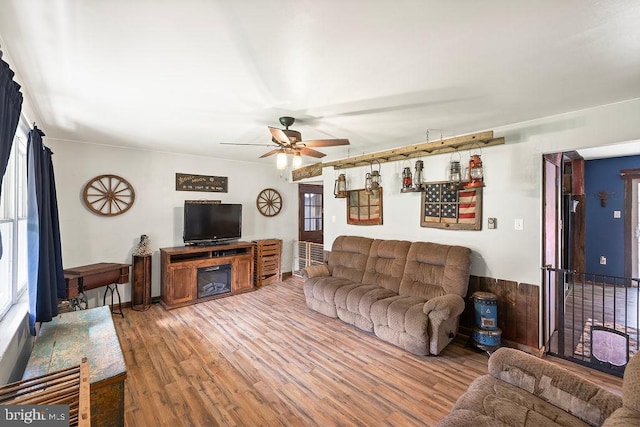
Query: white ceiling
184 76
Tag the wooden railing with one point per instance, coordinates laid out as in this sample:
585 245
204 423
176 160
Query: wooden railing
65 387
307 254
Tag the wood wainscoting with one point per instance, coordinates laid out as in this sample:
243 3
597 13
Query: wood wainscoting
518 310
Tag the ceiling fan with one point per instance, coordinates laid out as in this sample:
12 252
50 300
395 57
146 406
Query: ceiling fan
290 141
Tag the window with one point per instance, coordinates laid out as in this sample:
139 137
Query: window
313 212
13 225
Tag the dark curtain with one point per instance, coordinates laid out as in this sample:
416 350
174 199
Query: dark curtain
46 278
10 106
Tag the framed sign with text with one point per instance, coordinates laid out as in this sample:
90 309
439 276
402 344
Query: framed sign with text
191 182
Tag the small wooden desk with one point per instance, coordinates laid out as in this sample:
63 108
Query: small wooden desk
92 276
86 333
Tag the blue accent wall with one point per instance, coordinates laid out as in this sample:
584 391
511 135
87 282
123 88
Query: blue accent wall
604 233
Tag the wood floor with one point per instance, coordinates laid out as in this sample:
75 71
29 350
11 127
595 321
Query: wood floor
264 358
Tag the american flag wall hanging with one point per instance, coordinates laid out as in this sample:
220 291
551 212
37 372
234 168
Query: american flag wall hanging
455 209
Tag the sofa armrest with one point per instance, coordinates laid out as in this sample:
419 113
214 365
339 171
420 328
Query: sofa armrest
629 414
623 417
315 271
444 307
554 384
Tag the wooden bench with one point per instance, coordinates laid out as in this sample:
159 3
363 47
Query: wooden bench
91 334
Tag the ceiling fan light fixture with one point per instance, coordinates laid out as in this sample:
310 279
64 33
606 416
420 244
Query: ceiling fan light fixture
297 160
281 160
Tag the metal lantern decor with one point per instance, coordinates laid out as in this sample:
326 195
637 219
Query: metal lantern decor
407 181
340 187
367 183
476 175
372 180
455 176
417 177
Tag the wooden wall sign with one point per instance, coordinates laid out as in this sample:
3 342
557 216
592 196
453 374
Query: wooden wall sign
363 208
308 171
457 209
191 182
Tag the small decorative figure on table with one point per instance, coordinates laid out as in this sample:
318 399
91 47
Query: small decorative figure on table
144 246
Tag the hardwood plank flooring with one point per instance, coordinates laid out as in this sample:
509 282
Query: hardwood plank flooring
264 358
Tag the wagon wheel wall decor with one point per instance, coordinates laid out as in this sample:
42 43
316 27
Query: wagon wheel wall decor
269 202
109 195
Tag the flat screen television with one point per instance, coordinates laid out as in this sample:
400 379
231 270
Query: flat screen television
210 223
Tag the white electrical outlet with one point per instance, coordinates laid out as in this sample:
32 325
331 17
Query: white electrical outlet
603 260
617 214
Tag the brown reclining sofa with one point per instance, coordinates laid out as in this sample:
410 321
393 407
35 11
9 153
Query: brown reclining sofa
409 294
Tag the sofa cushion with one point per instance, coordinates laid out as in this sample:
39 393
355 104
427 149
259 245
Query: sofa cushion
320 293
400 320
511 405
348 257
433 270
385 264
558 386
466 418
353 304
384 269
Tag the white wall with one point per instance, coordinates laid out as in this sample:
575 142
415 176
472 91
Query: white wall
88 238
513 176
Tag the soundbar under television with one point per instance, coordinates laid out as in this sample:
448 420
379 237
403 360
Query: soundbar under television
208 222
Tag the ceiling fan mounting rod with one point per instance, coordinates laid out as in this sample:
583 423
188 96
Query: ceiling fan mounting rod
286 121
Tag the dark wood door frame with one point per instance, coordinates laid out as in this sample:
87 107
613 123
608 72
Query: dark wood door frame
315 236
628 175
551 166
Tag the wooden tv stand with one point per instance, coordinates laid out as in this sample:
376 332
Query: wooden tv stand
179 271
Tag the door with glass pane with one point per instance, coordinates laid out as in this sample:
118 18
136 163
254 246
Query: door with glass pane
310 213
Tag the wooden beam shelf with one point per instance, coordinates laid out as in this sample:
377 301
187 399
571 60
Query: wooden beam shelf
449 145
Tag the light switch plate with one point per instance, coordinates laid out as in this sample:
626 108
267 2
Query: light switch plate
492 223
518 224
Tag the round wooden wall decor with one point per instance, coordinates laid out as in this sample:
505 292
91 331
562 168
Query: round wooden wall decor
109 195
269 202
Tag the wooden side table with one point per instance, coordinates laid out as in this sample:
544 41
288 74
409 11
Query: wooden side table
141 283
93 276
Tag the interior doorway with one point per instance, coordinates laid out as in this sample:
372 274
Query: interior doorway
591 304
310 245
310 213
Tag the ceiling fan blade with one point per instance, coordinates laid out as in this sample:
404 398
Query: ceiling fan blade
324 142
242 143
270 153
279 136
310 152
